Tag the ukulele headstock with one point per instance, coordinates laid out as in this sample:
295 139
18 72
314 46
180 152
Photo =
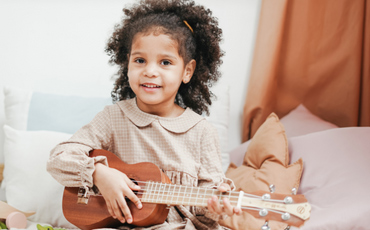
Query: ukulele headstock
291 209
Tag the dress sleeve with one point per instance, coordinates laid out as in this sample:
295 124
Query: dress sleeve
69 162
210 173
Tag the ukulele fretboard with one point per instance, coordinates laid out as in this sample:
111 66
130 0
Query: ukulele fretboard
172 194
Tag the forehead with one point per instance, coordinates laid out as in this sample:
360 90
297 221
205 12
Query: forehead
154 41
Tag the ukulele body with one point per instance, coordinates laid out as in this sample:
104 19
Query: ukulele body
95 214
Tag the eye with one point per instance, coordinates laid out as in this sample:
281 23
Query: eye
166 62
139 60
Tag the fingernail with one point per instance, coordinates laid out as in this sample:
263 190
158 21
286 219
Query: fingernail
129 220
140 205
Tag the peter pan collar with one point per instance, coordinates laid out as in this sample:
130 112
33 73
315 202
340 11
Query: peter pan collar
180 124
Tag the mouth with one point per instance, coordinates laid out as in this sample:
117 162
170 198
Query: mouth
147 85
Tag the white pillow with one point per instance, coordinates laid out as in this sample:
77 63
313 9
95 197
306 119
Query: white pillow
29 110
28 186
219 118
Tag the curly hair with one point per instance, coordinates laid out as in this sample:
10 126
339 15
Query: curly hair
167 17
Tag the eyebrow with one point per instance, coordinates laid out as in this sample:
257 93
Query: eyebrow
164 55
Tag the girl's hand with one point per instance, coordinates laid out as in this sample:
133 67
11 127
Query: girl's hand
114 186
215 207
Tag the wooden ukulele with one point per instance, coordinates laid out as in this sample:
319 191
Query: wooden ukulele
87 209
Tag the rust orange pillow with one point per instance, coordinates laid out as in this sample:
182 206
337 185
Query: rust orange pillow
266 162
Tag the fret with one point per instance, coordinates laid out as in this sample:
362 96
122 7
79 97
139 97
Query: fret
160 191
156 192
151 197
190 196
205 197
169 194
182 194
178 194
186 195
196 197
144 189
234 199
210 193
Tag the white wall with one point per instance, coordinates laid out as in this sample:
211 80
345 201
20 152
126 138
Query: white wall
58 46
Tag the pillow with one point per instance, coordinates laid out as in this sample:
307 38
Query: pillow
28 110
336 177
28 186
219 118
299 121
265 163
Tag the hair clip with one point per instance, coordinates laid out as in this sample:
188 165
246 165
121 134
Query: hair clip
187 24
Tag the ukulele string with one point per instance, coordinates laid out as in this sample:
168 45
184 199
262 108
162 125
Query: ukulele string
232 195
258 209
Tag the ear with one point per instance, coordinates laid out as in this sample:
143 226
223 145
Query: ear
189 71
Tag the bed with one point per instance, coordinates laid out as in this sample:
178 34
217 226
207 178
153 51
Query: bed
327 164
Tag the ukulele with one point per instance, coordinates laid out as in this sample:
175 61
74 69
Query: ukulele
87 209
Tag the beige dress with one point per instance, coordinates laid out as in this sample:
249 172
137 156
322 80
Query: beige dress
186 148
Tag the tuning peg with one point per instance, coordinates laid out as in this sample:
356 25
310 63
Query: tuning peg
266 196
285 216
263 212
294 191
288 200
265 226
272 188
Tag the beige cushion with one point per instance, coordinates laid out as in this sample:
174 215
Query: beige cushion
266 162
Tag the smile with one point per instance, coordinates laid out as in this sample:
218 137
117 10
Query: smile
150 86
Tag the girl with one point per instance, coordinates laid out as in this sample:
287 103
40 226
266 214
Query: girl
168 52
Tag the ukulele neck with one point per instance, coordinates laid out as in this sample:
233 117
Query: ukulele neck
172 194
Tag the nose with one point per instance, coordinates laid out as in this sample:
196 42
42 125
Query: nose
151 70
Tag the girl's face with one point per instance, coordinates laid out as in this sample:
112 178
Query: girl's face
155 72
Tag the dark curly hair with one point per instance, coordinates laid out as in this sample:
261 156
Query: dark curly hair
168 17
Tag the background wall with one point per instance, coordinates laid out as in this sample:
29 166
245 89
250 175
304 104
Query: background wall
58 46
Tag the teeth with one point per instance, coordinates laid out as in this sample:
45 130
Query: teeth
151 86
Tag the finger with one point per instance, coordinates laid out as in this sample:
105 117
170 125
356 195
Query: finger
237 211
125 210
216 205
224 187
117 211
131 184
228 209
110 210
210 206
131 195
134 199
